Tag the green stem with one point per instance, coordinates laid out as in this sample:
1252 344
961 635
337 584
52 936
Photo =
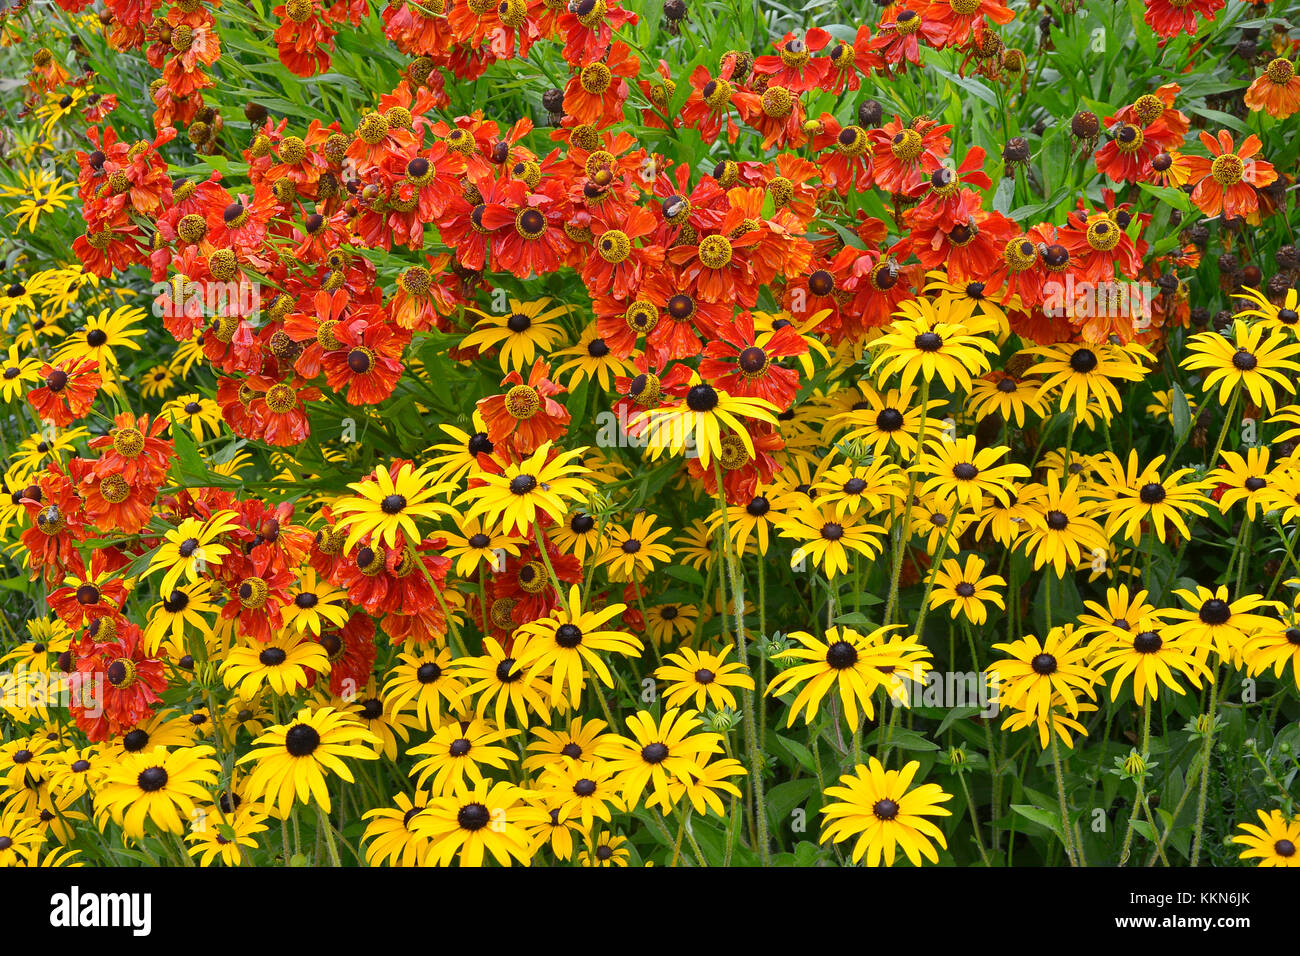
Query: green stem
1139 799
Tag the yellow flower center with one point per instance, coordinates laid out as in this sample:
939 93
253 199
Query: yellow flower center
114 489
777 102
1280 71
128 442
595 78
1103 233
253 593
614 246
715 252
373 129
1227 169
907 146
523 402
281 398
641 316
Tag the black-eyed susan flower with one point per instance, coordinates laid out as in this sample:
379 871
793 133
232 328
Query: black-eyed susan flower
888 422
580 535
957 471
17 374
701 420
1149 656
453 460
582 790
658 753
1244 478
495 680
591 359
477 545
387 505
291 760
21 838
925 343
282 664
1274 842
1214 620
631 553
472 824
827 539
522 333
424 684
1062 532
104 336
882 809
380 715
1256 359
540 484
157 786
453 755
215 836
1278 317
1009 397
1122 610
577 740
866 487
700 678
570 641
188 609
314 605
1055 721
1136 494
1038 672
191 549
1087 372
1273 647
606 849
389 837
965 588
846 662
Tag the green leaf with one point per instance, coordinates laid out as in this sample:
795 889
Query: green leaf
1046 818
1181 411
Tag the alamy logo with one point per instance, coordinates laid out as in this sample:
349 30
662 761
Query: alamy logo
77 909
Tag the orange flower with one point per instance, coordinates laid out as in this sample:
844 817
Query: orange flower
526 415
1227 183
1276 91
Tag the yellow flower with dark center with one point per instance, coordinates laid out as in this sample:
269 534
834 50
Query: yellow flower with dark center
885 812
1273 647
388 504
1038 672
591 359
314 604
454 753
389 837
1215 621
281 664
290 760
185 609
657 754
632 553
495 676
1121 611
607 849
190 549
18 374
1274 318
925 343
21 837
1274 842
157 786
522 333
866 487
103 336
1137 494
957 471
1151 656
514 499
568 642
423 682
1256 359
847 662
827 539
220 836
966 589
1063 532
699 421
471 824
581 790
1086 372
698 678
